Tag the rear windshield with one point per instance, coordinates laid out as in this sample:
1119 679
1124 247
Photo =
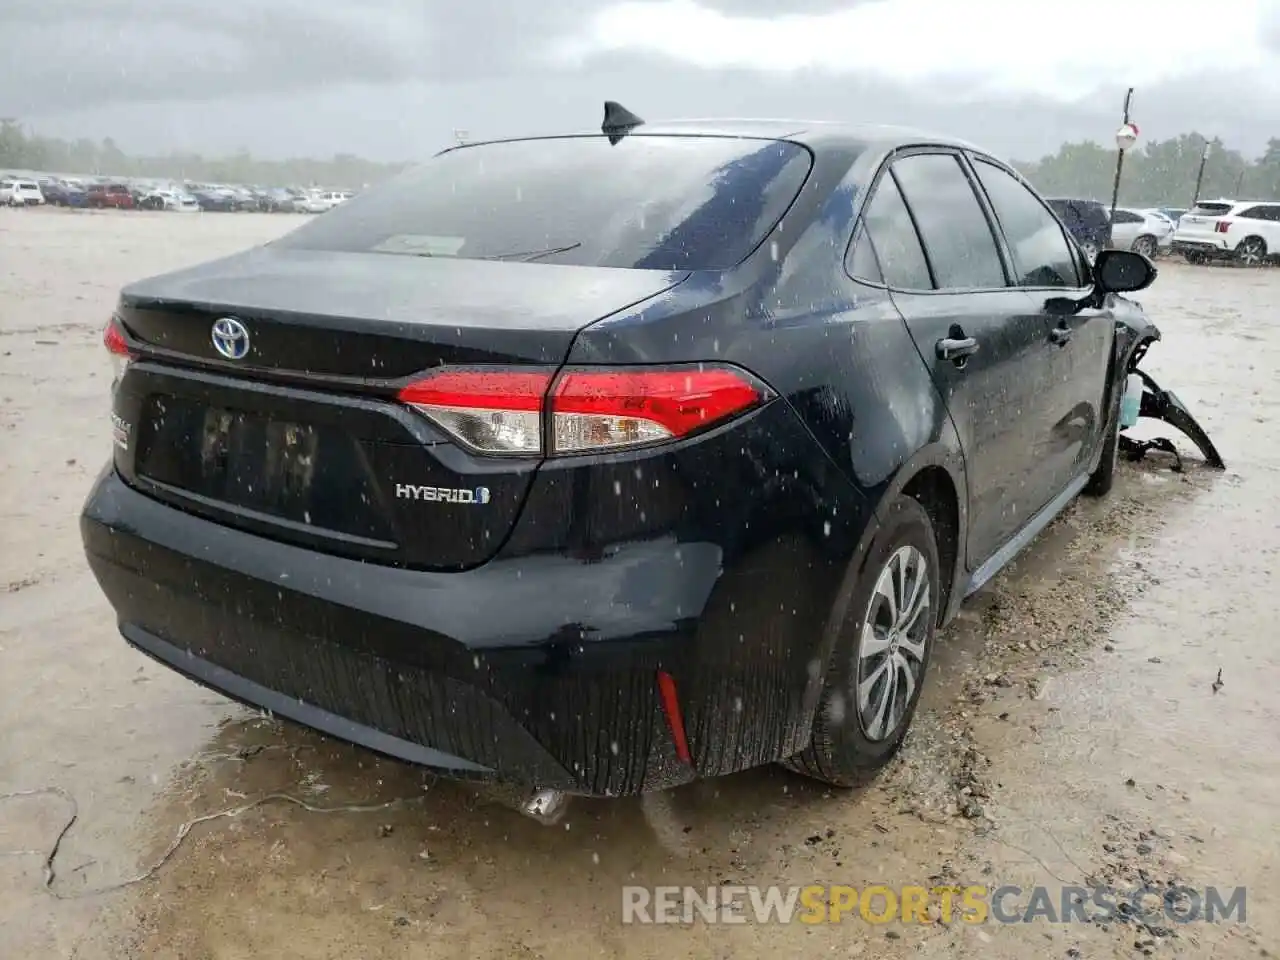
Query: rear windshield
1210 209
648 202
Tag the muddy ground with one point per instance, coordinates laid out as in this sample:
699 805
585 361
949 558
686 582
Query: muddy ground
1072 732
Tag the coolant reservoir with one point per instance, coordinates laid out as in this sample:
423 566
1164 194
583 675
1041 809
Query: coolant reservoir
1131 403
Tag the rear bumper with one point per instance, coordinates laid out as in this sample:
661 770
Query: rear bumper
1209 247
535 669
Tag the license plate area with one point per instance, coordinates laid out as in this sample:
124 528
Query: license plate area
306 474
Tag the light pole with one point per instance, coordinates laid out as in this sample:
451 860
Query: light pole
1204 158
1126 137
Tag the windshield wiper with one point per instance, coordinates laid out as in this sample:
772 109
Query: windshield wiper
527 255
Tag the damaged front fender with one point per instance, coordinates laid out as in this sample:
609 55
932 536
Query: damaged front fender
1134 335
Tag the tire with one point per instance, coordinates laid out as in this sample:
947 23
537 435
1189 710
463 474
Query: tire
1252 252
1146 245
840 751
1104 477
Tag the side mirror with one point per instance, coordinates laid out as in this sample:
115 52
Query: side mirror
1122 271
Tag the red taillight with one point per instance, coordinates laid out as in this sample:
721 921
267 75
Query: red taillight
118 348
501 410
1222 226
492 411
600 409
113 339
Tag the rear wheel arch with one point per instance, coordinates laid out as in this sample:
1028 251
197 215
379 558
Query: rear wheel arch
935 490
936 472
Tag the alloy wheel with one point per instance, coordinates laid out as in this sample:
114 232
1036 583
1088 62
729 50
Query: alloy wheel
892 646
1145 246
1252 251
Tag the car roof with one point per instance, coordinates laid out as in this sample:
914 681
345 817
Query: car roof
817 135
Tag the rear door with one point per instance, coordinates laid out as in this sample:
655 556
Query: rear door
982 340
1049 267
1261 220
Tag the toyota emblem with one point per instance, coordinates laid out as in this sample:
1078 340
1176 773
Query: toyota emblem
230 338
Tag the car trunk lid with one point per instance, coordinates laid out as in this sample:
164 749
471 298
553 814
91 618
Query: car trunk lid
302 439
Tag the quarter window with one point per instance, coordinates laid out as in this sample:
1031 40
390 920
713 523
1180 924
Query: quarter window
956 234
863 264
897 247
1042 255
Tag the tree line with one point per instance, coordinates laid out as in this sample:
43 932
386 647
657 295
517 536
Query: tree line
20 150
1158 173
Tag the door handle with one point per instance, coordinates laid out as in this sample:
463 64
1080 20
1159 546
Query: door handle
1060 335
956 349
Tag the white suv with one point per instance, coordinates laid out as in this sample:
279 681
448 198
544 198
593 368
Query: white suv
1247 231
21 193
323 201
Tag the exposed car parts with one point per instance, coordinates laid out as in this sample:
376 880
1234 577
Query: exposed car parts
1161 404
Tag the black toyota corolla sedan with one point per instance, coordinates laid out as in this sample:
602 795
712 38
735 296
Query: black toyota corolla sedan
600 463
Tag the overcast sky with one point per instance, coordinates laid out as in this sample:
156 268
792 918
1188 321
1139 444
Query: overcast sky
391 79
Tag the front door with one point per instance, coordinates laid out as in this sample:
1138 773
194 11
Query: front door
1052 271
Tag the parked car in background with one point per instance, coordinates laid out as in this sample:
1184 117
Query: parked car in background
168 199
243 199
21 193
1247 231
1173 213
65 193
1087 220
323 201
280 200
216 201
656 536
1141 231
103 196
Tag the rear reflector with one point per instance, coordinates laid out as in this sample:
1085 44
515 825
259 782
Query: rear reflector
671 710
506 410
1222 226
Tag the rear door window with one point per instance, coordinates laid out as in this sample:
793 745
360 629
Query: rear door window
1042 255
956 233
898 251
647 202
1262 212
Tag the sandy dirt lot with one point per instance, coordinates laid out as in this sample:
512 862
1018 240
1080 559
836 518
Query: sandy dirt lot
1072 733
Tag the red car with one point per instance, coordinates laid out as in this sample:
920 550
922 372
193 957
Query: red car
109 195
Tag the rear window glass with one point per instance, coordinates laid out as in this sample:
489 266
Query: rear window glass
1210 209
648 202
